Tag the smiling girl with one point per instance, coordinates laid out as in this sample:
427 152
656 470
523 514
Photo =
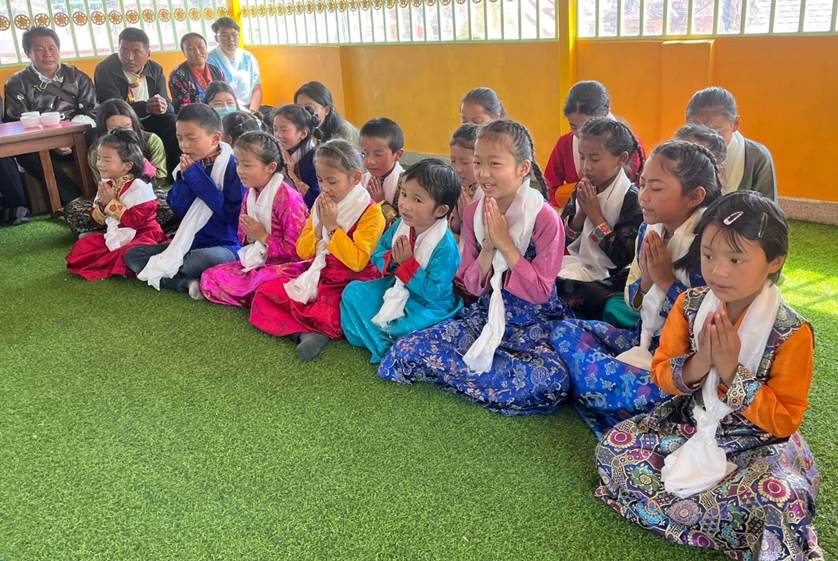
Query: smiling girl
497 351
303 302
418 257
609 367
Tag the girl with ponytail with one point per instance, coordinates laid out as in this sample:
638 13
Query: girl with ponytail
272 217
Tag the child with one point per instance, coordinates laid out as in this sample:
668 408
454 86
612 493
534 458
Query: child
295 127
585 100
110 115
317 98
749 164
236 124
419 258
336 244
708 138
207 195
609 366
721 465
125 204
222 98
382 146
617 310
272 217
497 351
481 106
601 219
462 160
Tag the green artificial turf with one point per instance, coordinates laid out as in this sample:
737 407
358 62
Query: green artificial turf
143 425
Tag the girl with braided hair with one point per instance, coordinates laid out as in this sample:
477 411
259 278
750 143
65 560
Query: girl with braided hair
601 219
497 351
585 100
334 249
272 217
609 367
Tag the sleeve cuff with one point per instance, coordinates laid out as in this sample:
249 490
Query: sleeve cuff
388 260
97 214
743 389
407 270
601 232
115 208
676 364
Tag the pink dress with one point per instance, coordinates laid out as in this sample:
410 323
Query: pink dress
228 283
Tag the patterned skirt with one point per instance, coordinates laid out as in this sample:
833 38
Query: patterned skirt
77 215
526 376
605 390
763 511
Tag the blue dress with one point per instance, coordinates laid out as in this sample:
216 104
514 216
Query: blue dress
605 390
432 297
527 375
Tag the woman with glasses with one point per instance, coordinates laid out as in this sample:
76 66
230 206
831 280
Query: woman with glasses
238 65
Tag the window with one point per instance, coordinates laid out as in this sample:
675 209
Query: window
90 27
633 18
307 22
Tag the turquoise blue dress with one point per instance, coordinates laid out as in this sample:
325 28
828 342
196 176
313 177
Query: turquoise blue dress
431 301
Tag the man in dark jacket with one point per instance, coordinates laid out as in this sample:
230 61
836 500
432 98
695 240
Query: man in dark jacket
48 85
130 74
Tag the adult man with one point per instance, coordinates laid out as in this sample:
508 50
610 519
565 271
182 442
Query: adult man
239 66
48 85
130 74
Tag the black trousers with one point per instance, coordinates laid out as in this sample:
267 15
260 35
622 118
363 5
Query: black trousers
11 185
67 188
164 127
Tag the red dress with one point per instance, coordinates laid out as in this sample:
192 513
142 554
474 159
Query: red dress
561 175
272 311
90 257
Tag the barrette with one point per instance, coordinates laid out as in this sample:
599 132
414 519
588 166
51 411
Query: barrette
733 217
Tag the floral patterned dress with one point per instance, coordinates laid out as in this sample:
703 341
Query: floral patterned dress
762 511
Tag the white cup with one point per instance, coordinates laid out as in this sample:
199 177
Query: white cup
51 119
30 121
30 114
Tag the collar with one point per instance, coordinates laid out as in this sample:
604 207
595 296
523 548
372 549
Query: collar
120 183
210 160
57 77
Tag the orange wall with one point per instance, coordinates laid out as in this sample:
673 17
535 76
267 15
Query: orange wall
420 87
784 86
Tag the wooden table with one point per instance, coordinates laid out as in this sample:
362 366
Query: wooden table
16 140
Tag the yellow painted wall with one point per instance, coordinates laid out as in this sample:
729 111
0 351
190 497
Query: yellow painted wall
785 87
420 87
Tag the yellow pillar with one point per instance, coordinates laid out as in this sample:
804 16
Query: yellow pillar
235 8
567 50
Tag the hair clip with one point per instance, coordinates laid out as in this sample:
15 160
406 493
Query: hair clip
763 223
733 217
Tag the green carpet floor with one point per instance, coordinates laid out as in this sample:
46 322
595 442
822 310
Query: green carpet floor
143 425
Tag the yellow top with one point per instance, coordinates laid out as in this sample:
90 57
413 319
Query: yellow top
355 251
